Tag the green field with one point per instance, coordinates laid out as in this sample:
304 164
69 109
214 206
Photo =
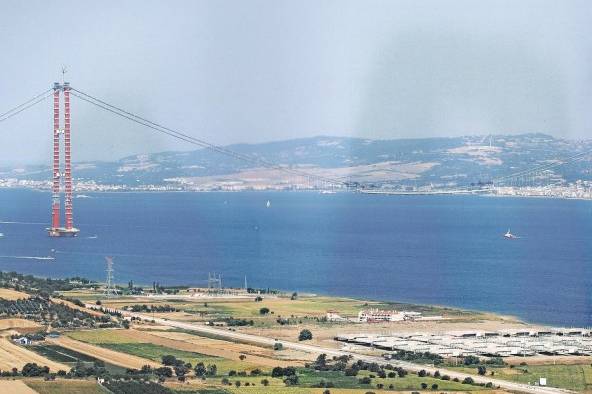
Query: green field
61 354
66 387
155 353
409 382
71 357
572 377
98 337
110 340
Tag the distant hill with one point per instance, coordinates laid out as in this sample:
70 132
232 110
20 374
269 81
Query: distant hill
426 161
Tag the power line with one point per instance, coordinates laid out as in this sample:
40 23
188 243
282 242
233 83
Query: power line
201 143
26 105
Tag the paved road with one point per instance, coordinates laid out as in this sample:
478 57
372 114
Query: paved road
234 335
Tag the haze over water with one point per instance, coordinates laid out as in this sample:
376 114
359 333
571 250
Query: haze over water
445 250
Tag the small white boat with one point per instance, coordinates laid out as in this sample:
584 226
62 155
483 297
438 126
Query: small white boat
509 235
1 235
268 204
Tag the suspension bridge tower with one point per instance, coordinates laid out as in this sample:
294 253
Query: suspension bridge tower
59 177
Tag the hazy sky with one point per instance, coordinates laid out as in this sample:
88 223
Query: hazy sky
252 71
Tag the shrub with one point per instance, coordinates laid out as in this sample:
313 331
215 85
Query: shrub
305 335
264 311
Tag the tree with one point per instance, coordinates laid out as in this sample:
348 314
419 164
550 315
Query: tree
424 386
291 380
200 370
265 382
435 386
164 372
242 357
278 346
422 373
468 380
481 370
169 360
181 370
212 370
277 372
32 369
321 362
305 335
471 360
264 311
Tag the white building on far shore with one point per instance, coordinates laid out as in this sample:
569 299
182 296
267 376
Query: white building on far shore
378 315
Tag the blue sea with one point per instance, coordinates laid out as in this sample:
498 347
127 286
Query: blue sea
444 250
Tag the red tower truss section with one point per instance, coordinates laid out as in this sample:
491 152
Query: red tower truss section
56 230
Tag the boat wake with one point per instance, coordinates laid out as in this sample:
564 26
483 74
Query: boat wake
28 257
8 222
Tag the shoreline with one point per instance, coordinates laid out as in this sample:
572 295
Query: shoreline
477 193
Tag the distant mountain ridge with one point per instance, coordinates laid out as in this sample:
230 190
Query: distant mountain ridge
423 161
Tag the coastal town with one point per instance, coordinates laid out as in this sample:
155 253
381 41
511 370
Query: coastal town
580 189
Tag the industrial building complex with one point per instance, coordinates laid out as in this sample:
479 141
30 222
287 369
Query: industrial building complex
553 341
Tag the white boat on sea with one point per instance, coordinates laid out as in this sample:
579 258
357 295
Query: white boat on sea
509 235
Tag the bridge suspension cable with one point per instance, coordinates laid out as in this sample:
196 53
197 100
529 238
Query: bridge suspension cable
202 143
26 105
545 167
